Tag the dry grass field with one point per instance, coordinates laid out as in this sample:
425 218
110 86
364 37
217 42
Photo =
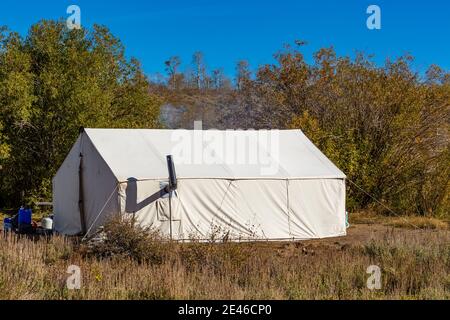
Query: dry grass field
414 264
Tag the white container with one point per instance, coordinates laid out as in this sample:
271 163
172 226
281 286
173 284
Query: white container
47 223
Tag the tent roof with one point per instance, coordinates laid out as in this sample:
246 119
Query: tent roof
141 154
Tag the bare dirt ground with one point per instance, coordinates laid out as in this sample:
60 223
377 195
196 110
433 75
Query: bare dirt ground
361 234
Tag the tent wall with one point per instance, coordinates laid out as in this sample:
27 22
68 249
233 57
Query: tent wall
317 208
240 209
144 201
65 193
99 189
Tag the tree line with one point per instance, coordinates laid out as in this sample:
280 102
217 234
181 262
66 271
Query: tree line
386 127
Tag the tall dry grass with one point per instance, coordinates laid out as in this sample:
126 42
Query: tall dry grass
414 266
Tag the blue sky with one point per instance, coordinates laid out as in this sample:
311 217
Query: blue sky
230 30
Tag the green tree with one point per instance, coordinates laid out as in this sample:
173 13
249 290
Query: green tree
52 82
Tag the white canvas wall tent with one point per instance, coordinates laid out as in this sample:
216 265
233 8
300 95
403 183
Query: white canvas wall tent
231 182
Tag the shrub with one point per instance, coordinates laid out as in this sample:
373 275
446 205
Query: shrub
123 237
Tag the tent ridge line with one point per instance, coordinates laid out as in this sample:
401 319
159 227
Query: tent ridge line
241 178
